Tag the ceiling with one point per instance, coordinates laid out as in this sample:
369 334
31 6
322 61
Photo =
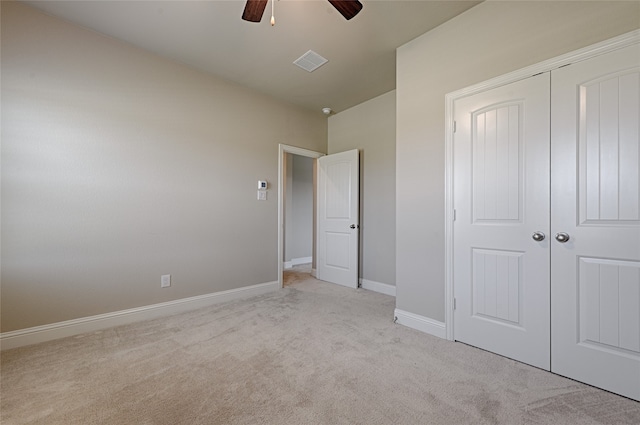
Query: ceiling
212 37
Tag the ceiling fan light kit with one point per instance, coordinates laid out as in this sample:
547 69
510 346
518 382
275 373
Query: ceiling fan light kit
254 9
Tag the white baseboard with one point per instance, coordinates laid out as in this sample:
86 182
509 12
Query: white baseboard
82 325
297 261
383 288
313 272
421 323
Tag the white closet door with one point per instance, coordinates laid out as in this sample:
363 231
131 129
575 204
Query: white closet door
596 202
501 198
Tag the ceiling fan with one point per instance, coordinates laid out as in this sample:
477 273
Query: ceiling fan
254 9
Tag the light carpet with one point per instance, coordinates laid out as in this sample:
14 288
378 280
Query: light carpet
312 353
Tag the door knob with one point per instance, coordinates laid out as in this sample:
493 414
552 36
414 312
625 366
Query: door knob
562 237
538 236
353 226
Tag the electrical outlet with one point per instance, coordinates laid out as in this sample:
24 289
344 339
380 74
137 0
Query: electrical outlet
262 195
165 280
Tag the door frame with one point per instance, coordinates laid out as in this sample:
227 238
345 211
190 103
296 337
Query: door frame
546 66
282 151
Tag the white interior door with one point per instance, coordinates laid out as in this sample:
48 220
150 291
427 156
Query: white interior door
501 198
338 220
596 202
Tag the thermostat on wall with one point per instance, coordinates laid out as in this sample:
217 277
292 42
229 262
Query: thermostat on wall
262 184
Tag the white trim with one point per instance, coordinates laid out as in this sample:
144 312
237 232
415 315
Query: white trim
606 46
448 217
313 272
383 288
283 149
420 323
82 325
297 261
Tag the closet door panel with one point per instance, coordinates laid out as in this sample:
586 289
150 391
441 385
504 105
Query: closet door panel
501 191
595 199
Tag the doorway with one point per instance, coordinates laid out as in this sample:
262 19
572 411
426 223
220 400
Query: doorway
294 251
335 214
298 218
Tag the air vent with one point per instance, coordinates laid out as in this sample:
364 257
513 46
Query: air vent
310 61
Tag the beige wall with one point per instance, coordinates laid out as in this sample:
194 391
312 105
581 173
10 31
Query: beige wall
370 127
488 40
119 166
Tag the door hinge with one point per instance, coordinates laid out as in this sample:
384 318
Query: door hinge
454 215
455 126
454 303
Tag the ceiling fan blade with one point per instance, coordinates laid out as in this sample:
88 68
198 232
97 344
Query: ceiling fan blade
253 10
348 8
